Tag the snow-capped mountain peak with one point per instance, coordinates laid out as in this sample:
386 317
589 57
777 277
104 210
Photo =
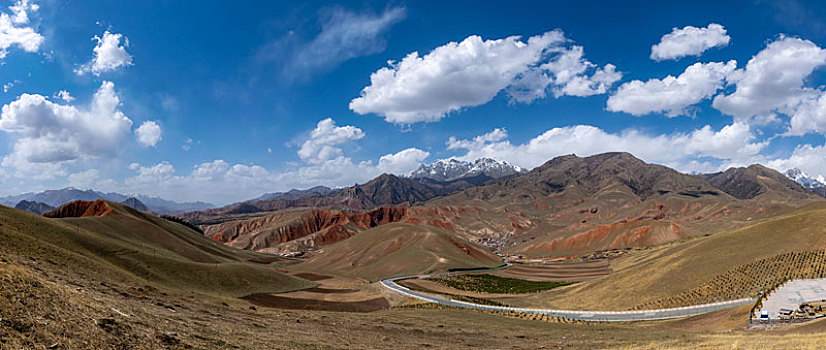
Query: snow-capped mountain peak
810 182
452 168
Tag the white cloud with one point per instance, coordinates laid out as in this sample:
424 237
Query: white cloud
51 135
344 35
671 95
151 175
65 96
149 133
13 31
220 181
320 146
83 179
810 159
684 151
689 41
772 81
403 162
472 72
109 54
20 11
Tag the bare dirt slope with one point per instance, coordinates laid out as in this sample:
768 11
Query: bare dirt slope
732 264
398 249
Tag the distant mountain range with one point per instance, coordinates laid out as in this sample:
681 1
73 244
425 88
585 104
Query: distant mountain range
453 169
442 177
568 206
56 198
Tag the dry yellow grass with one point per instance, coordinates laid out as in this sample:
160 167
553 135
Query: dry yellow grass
652 276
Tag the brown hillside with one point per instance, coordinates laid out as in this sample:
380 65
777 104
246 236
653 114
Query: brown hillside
398 249
757 181
571 205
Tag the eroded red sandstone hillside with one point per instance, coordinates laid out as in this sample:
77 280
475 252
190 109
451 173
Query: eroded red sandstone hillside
320 227
80 209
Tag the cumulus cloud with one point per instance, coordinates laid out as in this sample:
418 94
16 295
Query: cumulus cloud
14 30
671 95
321 146
810 159
773 80
220 181
684 151
344 35
149 133
689 41
109 54
402 162
51 134
473 71
83 179
65 96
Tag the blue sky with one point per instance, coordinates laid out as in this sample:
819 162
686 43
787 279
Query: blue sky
222 102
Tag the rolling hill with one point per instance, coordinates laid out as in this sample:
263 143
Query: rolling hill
728 265
111 242
398 249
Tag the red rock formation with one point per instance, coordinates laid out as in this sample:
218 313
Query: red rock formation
79 209
329 226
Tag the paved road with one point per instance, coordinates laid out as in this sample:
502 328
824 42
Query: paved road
594 316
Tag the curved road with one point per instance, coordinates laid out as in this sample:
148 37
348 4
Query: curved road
594 316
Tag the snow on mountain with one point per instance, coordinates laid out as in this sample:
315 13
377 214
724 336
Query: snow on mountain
452 169
809 182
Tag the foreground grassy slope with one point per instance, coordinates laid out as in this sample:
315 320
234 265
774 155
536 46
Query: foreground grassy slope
746 257
132 247
398 249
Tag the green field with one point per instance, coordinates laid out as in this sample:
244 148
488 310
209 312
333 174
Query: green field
494 284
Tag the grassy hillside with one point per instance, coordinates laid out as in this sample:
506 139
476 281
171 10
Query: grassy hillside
732 264
398 249
131 247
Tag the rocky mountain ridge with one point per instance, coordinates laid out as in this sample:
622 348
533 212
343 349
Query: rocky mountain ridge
453 169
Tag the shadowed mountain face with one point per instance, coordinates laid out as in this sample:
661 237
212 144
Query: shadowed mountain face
294 194
134 203
34 207
385 190
757 181
618 172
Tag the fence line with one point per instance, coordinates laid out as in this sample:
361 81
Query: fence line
593 316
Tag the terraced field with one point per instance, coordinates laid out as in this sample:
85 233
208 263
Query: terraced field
746 280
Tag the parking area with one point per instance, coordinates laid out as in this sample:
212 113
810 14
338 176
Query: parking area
791 295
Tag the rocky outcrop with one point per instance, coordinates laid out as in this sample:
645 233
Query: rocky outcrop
80 209
34 207
325 227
